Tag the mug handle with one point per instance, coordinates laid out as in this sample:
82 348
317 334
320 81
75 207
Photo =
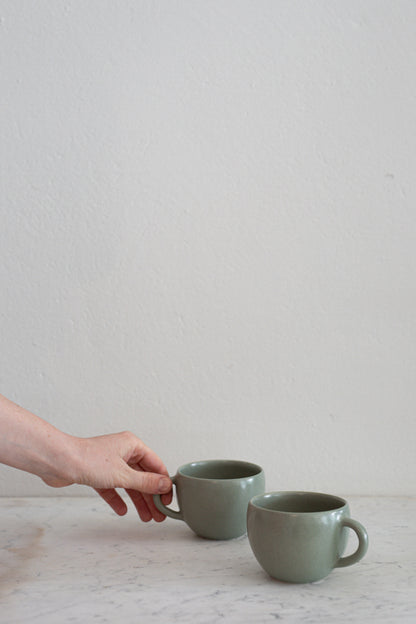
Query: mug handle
177 515
362 543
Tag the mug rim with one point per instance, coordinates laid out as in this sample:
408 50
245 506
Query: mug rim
229 462
341 502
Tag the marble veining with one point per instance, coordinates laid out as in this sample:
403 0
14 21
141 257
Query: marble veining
73 560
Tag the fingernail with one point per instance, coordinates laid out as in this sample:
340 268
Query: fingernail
164 484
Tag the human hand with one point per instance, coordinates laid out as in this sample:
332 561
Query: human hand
122 460
107 462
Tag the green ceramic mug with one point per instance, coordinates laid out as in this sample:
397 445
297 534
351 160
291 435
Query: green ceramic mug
300 537
213 496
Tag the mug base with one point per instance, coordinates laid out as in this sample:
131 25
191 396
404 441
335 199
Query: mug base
298 580
221 539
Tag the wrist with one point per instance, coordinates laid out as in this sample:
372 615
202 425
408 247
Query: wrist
61 460
31 444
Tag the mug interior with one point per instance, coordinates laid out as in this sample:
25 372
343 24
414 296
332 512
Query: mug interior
298 502
216 469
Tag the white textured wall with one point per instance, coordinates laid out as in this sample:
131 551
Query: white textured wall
208 231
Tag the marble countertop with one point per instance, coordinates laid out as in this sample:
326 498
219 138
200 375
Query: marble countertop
74 560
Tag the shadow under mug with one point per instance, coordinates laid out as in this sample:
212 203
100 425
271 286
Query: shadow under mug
213 496
300 537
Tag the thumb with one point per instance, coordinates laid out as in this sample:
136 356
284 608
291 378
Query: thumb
148 482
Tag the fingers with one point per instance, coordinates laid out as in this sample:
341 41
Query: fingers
147 482
144 485
167 498
142 502
114 500
145 457
145 506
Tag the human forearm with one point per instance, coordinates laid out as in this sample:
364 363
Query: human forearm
29 443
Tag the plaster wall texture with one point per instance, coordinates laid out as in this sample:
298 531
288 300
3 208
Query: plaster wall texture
207 232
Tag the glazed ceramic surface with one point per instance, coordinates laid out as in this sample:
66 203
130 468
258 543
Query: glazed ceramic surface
300 536
213 496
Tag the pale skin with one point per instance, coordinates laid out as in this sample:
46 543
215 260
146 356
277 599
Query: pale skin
105 463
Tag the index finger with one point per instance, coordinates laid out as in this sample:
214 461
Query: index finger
149 461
